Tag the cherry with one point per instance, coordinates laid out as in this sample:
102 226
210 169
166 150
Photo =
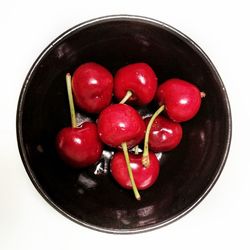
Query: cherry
164 134
78 146
181 99
92 86
119 123
144 177
135 82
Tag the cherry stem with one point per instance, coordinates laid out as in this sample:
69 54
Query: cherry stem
145 157
125 151
203 94
136 150
126 97
71 101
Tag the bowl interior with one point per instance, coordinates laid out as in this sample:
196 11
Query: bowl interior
90 196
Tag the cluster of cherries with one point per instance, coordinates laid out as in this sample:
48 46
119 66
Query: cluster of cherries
120 125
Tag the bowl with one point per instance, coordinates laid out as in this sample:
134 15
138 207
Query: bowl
90 196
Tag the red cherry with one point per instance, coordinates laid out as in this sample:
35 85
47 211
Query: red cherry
119 123
164 134
144 177
181 99
139 79
79 147
92 86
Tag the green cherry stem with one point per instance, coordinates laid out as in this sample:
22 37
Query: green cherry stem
136 150
71 101
125 151
145 157
126 97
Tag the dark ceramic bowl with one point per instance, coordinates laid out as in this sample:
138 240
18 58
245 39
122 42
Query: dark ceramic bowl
89 196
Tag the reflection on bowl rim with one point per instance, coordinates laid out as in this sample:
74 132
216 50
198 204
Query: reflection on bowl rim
19 114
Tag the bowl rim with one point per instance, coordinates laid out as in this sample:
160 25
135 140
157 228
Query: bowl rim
22 96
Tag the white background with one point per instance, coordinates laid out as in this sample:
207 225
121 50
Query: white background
221 28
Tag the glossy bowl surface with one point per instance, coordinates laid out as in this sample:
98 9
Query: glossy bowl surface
90 196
